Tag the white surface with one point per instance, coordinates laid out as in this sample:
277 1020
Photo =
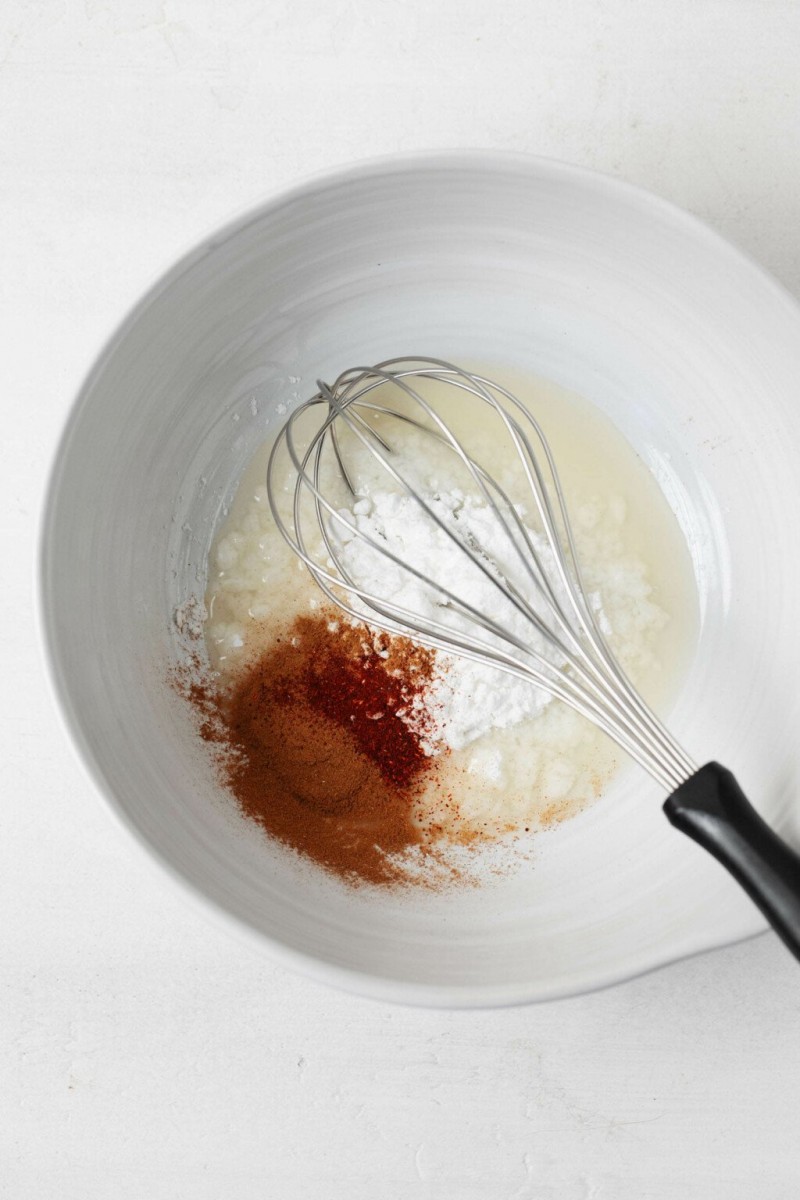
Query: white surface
141 1052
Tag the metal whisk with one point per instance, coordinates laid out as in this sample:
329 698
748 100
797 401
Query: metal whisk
557 608
367 416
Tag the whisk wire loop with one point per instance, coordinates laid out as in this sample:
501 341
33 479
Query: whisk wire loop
569 656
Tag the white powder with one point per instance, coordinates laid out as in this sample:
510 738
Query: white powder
467 699
190 618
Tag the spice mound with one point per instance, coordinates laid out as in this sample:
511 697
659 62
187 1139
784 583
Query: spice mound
322 741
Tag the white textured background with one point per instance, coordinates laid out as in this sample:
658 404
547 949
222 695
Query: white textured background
142 1054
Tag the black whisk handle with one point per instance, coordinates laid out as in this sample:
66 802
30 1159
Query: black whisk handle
712 809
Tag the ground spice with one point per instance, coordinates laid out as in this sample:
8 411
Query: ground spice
311 742
365 684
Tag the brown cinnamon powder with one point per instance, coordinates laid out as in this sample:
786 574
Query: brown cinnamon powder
312 744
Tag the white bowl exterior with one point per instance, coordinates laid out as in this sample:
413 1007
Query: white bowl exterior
692 351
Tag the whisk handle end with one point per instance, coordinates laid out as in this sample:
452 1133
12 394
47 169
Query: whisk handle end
712 809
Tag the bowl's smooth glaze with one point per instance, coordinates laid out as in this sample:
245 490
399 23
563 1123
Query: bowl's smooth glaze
691 349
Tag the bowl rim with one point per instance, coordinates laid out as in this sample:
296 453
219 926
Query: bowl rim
363 983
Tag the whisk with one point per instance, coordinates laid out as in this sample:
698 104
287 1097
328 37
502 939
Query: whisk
543 624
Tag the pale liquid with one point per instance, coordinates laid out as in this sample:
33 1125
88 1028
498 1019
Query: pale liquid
545 767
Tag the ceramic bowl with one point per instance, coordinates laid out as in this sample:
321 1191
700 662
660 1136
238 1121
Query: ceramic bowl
692 351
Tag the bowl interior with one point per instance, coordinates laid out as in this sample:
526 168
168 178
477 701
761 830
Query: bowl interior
690 349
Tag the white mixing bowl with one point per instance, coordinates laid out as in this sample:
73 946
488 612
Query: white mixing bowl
692 351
